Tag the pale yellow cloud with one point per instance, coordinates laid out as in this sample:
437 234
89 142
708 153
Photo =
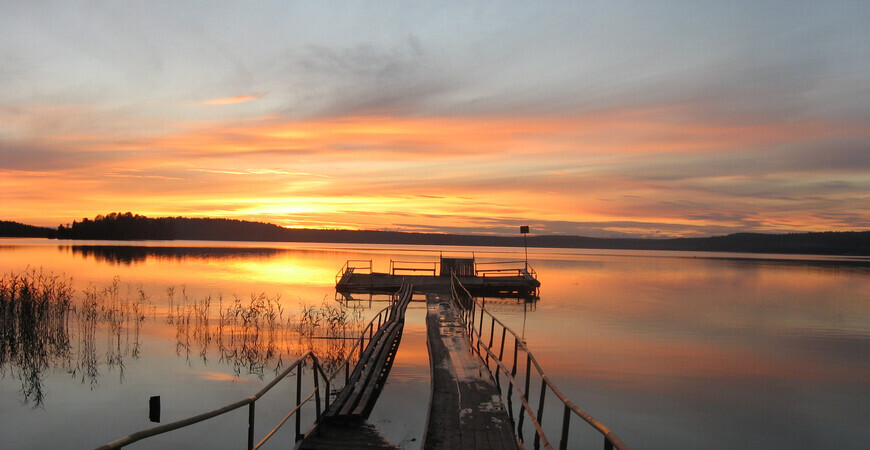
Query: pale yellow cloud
232 100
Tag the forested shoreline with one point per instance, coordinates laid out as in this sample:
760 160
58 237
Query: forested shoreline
128 226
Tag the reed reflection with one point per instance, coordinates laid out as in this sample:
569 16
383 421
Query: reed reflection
45 327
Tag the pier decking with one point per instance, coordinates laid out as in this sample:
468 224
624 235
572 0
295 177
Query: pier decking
466 410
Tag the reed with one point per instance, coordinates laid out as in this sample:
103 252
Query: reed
34 319
45 325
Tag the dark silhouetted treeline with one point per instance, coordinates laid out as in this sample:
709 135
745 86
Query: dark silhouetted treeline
15 229
853 243
128 226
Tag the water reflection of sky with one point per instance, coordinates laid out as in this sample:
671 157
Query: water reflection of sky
668 349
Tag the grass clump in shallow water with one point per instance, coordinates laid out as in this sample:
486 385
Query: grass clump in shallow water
34 321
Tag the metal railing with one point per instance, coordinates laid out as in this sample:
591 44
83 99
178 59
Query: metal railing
363 386
320 396
354 266
428 267
251 403
505 269
482 341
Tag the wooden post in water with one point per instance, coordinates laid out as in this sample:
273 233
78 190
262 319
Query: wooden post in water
154 408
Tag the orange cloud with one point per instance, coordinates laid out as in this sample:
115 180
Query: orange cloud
636 171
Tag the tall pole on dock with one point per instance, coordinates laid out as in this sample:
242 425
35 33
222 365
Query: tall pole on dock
524 230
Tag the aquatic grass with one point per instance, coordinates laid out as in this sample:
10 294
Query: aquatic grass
34 313
44 326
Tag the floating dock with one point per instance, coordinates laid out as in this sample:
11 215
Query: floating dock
511 279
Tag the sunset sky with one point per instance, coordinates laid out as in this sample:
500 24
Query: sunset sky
594 118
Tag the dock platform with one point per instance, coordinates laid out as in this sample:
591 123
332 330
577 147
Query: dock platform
510 279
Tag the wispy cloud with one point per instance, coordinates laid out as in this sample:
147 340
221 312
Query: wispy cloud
232 100
662 120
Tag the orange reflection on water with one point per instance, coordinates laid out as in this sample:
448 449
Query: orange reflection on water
667 324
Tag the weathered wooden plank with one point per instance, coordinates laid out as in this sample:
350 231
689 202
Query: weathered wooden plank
466 410
346 435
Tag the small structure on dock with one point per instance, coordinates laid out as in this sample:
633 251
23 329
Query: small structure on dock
510 279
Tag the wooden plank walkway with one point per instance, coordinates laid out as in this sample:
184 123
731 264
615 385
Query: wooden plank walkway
466 410
343 424
346 435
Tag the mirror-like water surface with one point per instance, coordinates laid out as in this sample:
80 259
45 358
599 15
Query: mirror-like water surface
668 349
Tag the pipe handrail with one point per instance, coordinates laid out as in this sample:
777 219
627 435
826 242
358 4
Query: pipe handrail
492 263
250 401
414 266
456 285
522 397
349 267
351 352
161 429
286 418
526 269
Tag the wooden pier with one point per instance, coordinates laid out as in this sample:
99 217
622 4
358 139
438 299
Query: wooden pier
470 377
465 410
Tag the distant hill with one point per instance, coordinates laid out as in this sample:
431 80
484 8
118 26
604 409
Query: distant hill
853 243
128 226
15 229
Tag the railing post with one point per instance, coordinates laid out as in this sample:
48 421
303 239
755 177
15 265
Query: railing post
316 391
566 421
298 402
510 388
501 351
516 356
470 322
251 425
480 329
327 386
526 392
607 444
541 411
491 336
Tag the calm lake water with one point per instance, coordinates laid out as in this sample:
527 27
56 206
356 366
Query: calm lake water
668 349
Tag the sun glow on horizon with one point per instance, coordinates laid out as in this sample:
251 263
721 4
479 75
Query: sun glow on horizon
573 174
